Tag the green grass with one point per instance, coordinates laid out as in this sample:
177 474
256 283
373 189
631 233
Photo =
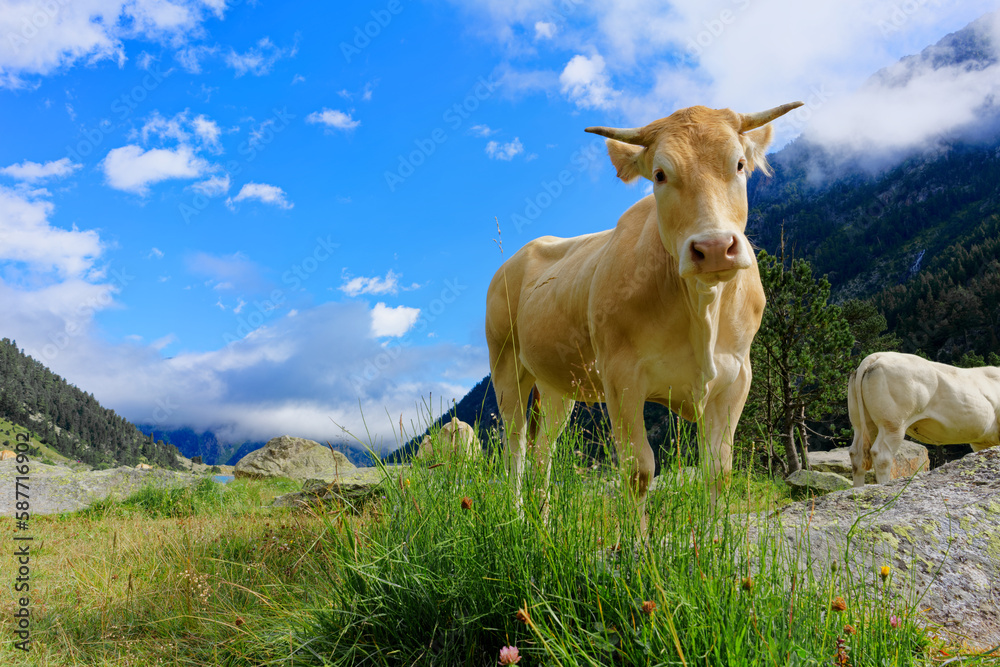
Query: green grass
425 581
212 575
8 434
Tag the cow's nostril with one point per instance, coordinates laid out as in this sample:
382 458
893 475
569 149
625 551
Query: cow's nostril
698 255
734 249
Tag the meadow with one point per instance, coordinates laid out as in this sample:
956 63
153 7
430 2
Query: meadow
439 568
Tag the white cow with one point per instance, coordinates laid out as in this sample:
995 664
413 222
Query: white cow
455 438
892 394
661 308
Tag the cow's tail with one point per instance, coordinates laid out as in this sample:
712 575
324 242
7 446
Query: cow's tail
858 413
534 414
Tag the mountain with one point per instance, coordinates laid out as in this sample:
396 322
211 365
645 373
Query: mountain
70 420
215 452
192 444
918 236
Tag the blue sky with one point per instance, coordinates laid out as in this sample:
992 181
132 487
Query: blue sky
264 218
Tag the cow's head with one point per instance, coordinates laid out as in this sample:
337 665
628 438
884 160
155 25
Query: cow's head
698 160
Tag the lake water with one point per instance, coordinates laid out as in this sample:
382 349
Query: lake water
222 479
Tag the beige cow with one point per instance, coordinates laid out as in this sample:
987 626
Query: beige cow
7 454
661 308
455 438
892 394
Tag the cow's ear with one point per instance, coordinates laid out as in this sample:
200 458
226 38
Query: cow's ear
629 160
755 145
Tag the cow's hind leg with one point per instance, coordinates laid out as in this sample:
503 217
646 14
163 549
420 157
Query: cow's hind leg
857 459
512 385
884 451
555 413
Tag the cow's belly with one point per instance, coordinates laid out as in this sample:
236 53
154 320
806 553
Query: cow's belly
558 352
937 431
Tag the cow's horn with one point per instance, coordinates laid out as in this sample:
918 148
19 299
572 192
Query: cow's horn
750 121
629 135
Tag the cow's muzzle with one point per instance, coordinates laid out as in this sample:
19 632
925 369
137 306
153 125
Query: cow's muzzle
716 254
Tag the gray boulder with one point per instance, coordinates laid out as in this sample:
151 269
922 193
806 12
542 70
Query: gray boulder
816 481
296 458
56 488
911 457
941 530
353 489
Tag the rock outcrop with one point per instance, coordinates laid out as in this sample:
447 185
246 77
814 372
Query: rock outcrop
910 458
353 489
802 481
940 530
295 458
56 489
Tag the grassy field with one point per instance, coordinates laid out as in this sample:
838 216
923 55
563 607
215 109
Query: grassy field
441 569
8 435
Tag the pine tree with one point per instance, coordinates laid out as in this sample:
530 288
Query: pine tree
801 356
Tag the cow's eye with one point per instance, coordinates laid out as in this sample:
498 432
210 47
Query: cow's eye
741 164
660 176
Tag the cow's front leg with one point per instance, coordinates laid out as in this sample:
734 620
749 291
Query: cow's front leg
635 456
716 429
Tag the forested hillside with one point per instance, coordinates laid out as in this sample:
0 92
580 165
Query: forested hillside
69 420
917 235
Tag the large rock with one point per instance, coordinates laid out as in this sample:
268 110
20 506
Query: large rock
910 458
940 529
56 488
296 458
802 481
353 489
456 438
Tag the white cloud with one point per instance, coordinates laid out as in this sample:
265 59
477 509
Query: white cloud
394 322
375 285
268 194
165 128
235 271
208 132
145 60
27 237
259 134
660 55
163 341
39 39
33 171
155 253
506 151
298 78
482 131
586 83
216 186
288 375
545 30
191 58
180 128
132 169
333 118
259 59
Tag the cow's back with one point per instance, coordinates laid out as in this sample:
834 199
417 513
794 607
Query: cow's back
542 289
935 403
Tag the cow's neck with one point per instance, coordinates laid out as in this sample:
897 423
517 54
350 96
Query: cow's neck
704 302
